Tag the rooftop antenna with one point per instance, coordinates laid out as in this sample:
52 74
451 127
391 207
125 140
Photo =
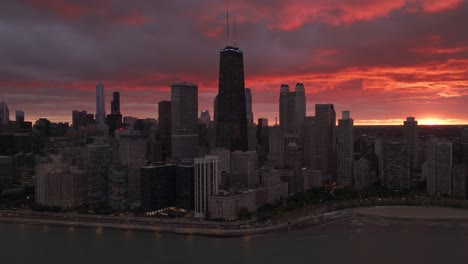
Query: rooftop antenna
227 23
235 32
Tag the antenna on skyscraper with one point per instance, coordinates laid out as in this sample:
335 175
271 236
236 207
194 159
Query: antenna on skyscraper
235 32
227 23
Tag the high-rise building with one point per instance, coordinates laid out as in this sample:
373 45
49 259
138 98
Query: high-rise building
100 105
396 165
185 186
207 178
362 173
205 117
118 187
345 150
276 147
231 121
132 153
464 135
184 120
438 167
244 165
287 110
99 159
6 171
325 140
308 144
262 140
19 116
248 105
115 103
4 114
410 136
292 109
252 136
300 113
158 185
164 121
459 181
60 183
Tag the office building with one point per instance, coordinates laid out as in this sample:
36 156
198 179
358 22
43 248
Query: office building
459 181
205 117
248 106
19 116
158 185
185 187
276 147
59 183
4 114
164 135
396 165
362 173
308 144
98 160
184 121
438 167
245 163
118 187
410 136
100 105
345 150
6 172
230 111
207 177
252 136
325 140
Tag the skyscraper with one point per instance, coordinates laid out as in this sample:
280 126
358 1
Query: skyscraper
308 143
205 117
115 103
248 105
164 121
395 165
410 135
439 167
207 180
99 159
4 113
300 113
184 120
19 116
345 150
287 110
325 144
231 121
292 109
100 105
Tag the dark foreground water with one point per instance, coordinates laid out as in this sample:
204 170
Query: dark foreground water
350 240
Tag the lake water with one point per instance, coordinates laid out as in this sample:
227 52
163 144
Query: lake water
349 240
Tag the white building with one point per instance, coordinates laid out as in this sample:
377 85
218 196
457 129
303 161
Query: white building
207 178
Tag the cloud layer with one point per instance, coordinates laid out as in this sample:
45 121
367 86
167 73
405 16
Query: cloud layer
382 60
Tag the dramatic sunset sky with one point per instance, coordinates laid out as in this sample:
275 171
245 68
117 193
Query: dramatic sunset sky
382 60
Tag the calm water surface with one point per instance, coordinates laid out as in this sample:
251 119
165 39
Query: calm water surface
350 240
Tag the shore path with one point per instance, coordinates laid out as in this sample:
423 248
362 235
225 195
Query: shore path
414 212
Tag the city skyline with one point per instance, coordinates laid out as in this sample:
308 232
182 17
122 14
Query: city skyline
384 63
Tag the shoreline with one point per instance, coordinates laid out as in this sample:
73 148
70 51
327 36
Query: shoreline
397 212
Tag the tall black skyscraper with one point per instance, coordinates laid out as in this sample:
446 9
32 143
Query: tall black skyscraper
115 104
231 121
164 121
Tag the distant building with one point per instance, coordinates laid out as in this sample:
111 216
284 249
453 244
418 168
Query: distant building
60 183
410 136
99 159
184 121
325 139
4 114
6 172
132 153
205 117
308 144
248 106
230 109
276 147
459 181
100 105
158 185
244 162
185 187
19 116
395 165
207 177
118 187
252 136
438 167
362 173
164 121
345 150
